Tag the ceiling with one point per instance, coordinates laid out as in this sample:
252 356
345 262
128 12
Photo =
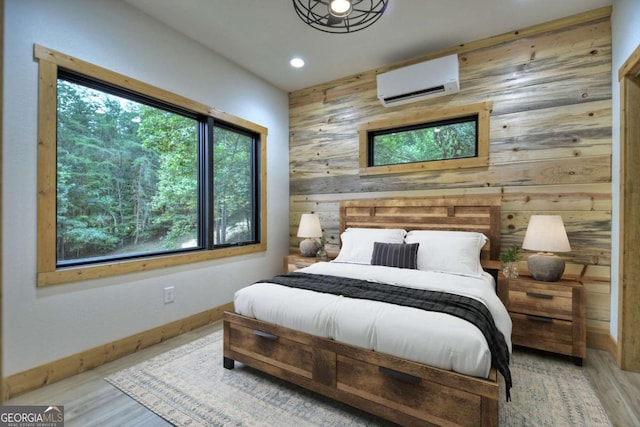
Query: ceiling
263 35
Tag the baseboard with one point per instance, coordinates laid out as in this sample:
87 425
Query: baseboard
601 339
71 365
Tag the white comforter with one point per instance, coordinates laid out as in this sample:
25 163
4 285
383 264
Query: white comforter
432 338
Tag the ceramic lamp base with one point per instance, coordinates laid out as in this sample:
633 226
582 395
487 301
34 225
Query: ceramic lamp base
546 267
308 247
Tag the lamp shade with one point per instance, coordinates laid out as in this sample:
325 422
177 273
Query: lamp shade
309 226
546 233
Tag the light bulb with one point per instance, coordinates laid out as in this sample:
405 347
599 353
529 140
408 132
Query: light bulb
297 62
340 8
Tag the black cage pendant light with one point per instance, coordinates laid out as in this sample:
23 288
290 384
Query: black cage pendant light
340 16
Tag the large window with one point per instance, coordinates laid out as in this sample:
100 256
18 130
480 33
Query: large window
141 178
449 138
234 187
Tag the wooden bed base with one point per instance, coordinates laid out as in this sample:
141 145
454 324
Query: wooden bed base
396 389
405 392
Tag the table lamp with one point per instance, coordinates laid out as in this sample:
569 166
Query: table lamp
546 234
309 228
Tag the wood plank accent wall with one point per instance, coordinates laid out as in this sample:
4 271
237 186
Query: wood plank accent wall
550 143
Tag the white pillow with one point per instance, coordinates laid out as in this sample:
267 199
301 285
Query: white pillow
456 252
357 243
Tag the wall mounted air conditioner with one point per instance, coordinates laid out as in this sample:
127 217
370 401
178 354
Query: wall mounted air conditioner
424 80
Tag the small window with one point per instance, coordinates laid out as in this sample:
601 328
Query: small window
444 140
434 140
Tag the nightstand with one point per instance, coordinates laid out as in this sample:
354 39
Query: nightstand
549 315
296 262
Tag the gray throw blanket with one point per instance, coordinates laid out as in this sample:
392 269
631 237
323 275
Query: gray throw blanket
456 305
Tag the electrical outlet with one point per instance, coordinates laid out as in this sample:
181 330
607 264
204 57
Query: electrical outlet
169 294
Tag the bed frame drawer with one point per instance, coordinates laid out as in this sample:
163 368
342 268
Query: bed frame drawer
269 347
408 393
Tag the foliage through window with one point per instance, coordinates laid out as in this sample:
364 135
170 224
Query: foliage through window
233 194
128 177
448 138
451 139
131 177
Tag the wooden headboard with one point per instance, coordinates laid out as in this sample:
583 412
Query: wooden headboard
462 213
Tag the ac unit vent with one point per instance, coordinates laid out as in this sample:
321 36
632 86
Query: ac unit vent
437 89
428 79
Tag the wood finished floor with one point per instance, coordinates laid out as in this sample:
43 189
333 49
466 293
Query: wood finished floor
90 401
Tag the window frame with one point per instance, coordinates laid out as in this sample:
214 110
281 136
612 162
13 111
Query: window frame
483 112
47 273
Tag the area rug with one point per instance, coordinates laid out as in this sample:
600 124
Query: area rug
188 386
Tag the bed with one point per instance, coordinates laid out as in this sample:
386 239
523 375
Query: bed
368 353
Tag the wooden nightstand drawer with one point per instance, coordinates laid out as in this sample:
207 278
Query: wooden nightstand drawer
548 315
544 333
296 266
296 262
546 300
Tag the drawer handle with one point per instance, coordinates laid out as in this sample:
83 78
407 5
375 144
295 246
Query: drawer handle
537 295
399 375
301 265
539 318
265 335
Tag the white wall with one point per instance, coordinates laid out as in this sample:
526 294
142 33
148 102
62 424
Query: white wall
625 28
42 325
